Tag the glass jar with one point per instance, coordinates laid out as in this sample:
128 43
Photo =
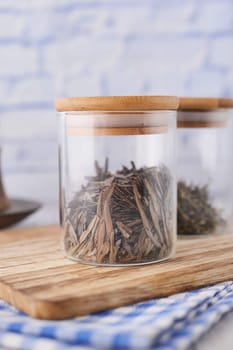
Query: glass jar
227 105
205 166
118 178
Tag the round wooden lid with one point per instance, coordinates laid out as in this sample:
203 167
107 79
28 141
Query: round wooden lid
225 102
116 103
198 103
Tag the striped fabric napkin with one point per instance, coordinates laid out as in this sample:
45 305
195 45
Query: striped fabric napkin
175 322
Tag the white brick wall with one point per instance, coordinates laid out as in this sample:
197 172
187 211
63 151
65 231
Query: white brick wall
16 60
98 47
222 52
11 26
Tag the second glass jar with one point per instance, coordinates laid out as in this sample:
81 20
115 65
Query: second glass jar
205 166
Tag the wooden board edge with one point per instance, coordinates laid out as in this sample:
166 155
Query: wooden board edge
35 308
75 307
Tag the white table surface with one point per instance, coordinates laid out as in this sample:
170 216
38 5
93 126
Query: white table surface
220 337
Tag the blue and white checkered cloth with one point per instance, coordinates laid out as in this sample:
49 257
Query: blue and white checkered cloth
175 322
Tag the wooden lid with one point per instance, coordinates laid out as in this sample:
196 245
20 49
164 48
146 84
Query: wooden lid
225 102
198 103
117 103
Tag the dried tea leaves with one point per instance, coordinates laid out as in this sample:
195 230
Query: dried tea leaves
196 214
121 218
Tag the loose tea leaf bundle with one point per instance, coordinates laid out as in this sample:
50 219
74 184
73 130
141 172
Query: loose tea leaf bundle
121 218
196 214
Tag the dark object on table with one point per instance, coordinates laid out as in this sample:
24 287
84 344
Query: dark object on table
4 202
196 213
18 210
13 210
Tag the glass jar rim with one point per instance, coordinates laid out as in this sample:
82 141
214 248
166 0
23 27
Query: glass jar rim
216 118
119 123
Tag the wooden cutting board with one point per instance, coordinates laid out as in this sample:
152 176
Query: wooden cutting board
36 278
